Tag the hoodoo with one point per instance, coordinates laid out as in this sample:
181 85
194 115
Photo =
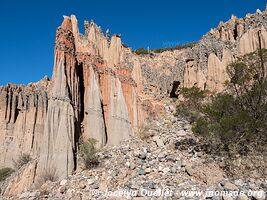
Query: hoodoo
101 89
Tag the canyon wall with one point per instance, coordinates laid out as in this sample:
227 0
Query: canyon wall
101 89
92 94
217 49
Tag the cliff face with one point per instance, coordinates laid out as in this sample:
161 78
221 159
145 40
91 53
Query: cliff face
205 64
92 94
22 115
101 89
210 57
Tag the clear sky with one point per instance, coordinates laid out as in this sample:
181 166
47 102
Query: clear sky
27 32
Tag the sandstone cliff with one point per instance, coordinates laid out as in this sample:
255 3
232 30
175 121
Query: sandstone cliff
101 89
92 94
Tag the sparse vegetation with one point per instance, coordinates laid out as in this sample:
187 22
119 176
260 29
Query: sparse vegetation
49 175
143 51
88 153
142 132
177 47
5 173
22 160
235 121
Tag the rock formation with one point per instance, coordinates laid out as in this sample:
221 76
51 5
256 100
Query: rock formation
221 46
92 94
22 115
101 89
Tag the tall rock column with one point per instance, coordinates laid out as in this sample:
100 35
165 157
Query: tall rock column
61 126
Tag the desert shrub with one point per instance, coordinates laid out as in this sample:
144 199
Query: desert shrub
88 153
49 174
142 132
5 173
177 47
141 51
235 121
22 160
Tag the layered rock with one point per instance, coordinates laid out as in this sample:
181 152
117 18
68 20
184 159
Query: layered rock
91 97
100 89
93 94
218 48
22 115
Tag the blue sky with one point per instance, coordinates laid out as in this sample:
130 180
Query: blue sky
28 27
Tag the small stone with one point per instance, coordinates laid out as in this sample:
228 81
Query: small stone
143 155
151 185
171 158
158 141
230 186
173 170
227 197
189 170
243 197
62 189
239 182
183 163
162 155
128 164
132 166
24 195
148 170
264 185
181 133
63 182
141 172
82 185
259 195
90 181
166 170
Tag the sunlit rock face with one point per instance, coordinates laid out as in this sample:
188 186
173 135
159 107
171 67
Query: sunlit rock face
101 89
218 48
92 94
22 114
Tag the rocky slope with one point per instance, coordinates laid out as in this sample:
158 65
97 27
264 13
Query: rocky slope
100 89
169 162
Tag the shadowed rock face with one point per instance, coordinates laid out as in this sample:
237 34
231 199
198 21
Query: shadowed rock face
101 89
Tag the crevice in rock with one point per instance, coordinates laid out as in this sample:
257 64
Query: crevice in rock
260 53
175 87
235 32
16 110
105 126
78 123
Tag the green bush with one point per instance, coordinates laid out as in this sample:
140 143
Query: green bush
141 51
22 160
5 173
177 47
236 121
88 153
